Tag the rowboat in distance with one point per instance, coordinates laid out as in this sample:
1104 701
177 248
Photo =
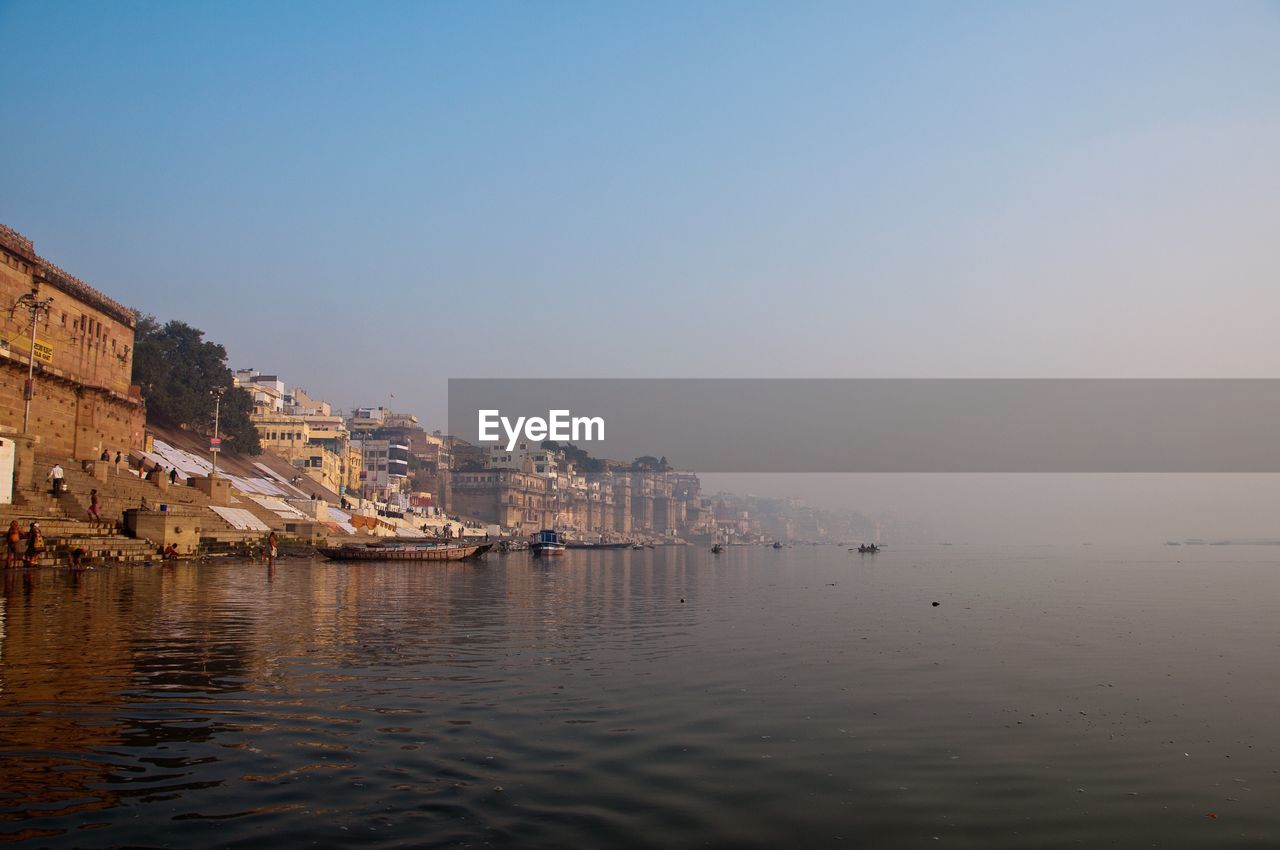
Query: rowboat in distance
405 552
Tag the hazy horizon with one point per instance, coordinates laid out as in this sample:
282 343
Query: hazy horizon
371 199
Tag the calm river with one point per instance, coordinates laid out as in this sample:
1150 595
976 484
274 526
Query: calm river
808 697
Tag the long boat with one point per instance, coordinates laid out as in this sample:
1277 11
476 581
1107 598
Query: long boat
410 552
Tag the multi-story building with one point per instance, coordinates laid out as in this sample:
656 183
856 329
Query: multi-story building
299 403
267 391
385 468
525 457
317 451
366 420
82 398
301 429
617 500
516 500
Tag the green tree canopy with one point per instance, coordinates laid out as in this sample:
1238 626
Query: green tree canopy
649 463
178 370
581 460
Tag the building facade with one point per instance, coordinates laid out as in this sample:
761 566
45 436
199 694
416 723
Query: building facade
82 398
386 468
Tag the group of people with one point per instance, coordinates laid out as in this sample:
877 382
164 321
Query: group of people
57 475
121 462
156 471
146 474
13 551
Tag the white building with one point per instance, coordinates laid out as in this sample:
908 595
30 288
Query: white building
267 390
525 457
386 466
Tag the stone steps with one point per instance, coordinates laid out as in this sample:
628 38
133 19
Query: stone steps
124 491
118 493
32 503
54 524
101 541
116 550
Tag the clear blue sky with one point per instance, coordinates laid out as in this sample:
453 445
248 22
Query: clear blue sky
369 198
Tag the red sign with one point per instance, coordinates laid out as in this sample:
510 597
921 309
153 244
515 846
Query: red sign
214 442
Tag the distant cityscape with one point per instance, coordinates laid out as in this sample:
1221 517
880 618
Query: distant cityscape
388 457
378 470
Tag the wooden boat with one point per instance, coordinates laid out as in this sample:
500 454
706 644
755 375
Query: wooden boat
869 550
410 552
717 549
548 542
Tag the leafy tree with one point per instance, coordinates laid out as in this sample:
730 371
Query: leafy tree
649 463
581 460
178 369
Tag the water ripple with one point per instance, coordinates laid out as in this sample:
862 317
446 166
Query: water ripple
793 698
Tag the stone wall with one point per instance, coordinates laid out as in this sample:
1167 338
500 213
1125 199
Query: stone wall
70 419
83 401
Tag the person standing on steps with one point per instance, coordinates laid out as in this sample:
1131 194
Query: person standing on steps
119 462
106 456
35 545
94 506
271 549
173 475
55 476
11 540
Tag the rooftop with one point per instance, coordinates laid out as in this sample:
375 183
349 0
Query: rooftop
14 242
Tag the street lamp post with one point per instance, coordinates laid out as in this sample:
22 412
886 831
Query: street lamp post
217 441
35 306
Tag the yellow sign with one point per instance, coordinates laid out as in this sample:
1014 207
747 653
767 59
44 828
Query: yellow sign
44 351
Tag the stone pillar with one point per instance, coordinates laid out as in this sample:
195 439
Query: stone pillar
217 489
25 475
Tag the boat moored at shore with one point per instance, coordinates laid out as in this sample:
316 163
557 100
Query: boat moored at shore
548 542
411 552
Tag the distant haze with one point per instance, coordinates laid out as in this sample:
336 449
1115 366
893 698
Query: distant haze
1138 509
368 199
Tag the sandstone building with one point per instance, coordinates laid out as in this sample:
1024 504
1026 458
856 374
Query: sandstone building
83 402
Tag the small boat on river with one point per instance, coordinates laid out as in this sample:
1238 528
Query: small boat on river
405 552
548 542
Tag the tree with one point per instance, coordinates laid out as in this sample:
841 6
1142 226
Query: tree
177 369
581 460
649 463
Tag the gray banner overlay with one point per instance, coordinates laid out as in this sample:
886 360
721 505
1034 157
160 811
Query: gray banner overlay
891 425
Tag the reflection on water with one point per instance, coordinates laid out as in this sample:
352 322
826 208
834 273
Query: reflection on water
800 697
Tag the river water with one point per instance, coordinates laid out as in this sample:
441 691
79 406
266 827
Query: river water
808 697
